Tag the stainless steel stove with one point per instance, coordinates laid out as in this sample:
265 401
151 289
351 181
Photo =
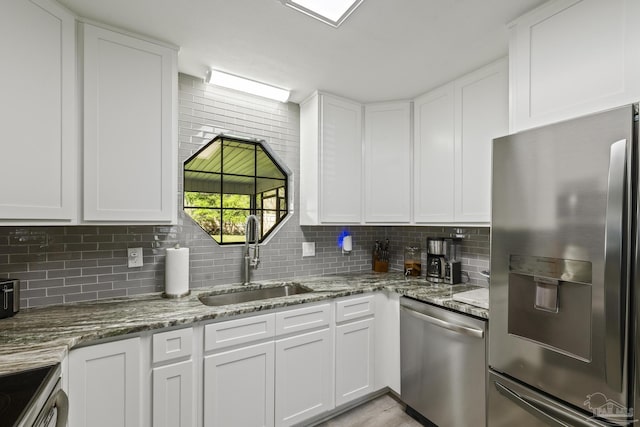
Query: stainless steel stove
33 398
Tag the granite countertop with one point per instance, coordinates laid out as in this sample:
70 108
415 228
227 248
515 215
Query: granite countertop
42 336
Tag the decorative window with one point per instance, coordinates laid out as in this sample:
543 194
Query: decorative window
228 180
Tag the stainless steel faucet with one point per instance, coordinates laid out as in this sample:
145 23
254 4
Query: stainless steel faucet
251 261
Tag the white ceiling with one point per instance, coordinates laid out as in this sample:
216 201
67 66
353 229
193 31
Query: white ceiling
386 50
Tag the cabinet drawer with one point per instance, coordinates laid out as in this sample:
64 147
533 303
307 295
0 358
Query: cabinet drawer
240 331
172 345
354 308
302 319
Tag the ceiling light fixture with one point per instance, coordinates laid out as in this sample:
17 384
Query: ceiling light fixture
332 12
253 87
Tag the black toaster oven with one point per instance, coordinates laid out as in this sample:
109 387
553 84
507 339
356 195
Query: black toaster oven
9 297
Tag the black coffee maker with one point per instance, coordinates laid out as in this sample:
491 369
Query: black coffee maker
435 259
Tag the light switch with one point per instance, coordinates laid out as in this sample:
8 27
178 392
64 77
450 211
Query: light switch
134 257
308 249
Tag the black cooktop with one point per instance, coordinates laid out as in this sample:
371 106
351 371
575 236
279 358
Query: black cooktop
18 390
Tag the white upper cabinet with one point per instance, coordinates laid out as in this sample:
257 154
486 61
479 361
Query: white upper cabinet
454 128
440 174
130 140
37 112
481 114
330 160
434 156
573 57
387 160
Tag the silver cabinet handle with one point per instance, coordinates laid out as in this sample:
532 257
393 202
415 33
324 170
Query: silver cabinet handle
541 410
473 332
614 279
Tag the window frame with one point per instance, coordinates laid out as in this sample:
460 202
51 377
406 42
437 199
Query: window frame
256 144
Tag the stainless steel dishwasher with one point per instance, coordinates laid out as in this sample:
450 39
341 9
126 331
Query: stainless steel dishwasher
443 364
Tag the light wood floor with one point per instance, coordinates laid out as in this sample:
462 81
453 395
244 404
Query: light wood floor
383 411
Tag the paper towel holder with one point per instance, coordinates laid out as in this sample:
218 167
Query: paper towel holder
170 296
175 296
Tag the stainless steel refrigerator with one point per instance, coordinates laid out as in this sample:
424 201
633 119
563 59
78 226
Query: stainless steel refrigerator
564 263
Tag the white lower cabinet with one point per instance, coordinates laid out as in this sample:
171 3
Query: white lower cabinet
276 369
387 360
172 392
355 347
304 376
105 385
239 387
272 369
354 360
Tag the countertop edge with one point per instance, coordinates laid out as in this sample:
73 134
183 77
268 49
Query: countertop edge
19 353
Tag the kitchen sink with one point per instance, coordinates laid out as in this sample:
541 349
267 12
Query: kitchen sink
241 295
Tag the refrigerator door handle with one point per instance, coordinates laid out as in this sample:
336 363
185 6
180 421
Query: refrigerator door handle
542 411
614 286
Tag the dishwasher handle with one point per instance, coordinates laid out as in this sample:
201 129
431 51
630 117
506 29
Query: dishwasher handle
472 332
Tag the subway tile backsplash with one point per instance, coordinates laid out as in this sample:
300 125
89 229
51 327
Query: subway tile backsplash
65 264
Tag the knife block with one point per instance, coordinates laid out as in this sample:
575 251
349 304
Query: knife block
380 266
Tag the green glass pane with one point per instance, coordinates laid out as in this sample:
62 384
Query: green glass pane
233 222
269 202
266 167
203 182
201 200
208 159
236 201
269 220
234 184
265 184
208 219
238 158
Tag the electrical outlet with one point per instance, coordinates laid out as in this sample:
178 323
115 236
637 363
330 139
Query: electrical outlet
134 257
308 249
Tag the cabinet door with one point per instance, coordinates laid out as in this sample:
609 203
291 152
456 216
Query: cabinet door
387 166
105 387
573 57
354 360
129 143
387 342
173 399
482 114
304 377
340 161
434 156
239 387
37 83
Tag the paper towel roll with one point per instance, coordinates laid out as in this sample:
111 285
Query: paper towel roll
176 273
